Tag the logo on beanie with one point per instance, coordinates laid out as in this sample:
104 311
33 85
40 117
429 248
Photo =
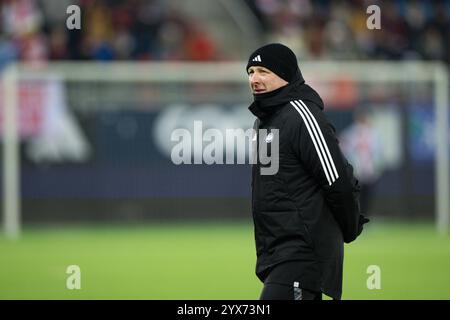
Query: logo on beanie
257 58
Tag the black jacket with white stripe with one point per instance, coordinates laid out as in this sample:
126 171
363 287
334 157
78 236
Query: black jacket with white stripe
309 208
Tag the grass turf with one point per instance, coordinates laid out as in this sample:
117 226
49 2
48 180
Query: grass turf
207 261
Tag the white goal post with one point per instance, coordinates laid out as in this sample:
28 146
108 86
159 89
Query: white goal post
367 71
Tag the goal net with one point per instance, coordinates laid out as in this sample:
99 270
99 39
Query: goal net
95 141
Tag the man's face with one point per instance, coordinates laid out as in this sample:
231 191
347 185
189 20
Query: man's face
263 80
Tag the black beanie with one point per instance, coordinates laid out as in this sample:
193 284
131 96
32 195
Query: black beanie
277 58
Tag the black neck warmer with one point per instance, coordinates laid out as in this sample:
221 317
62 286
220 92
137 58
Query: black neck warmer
266 104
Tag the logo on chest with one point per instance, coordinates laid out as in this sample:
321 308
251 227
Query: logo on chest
269 137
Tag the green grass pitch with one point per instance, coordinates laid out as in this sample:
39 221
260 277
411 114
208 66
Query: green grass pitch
209 260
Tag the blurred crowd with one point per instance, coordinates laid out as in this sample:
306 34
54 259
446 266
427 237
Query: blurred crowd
35 30
326 29
152 30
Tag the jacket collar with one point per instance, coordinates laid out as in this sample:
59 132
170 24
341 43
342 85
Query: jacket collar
267 104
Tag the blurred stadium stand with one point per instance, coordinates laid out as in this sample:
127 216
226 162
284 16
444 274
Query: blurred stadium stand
222 30
125 175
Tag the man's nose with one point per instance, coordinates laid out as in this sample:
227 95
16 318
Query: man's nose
254 78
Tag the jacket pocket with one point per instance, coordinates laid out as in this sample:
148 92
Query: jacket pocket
271 195
283 230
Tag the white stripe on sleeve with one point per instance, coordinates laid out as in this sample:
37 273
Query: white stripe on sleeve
319 153
322 138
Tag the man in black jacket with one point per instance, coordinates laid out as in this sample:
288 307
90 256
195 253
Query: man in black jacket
305 211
